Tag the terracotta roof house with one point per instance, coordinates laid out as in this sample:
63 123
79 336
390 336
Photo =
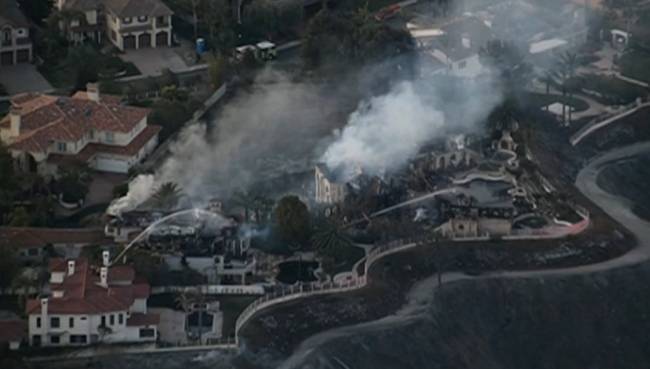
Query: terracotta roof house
15 44
128 24
31 242
90 304
44 132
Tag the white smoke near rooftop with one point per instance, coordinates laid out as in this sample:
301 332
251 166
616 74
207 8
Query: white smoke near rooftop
385 132
265 132
140 189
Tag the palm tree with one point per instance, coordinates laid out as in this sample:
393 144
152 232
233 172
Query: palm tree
547 78
246 200
167 196
330 239
567 65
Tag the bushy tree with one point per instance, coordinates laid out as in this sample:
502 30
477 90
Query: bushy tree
293 220
8 266
83 64
20 218
74 183
351 37
36 10
217 69
7 182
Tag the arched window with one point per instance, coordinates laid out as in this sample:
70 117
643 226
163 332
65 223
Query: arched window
6 36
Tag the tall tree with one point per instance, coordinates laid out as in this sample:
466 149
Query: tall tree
217 69
293 220
8 266
37 10
20 218
7 183
566 69
510 63
246 200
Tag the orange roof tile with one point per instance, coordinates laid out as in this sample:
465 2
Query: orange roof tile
46 119
83 294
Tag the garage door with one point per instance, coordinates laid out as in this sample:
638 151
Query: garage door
129 42
23 56
161 39
144 41
111 165
7 58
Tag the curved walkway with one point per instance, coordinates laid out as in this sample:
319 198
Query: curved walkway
598 124
420 296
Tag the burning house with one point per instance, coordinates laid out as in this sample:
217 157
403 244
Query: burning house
331 186
214 245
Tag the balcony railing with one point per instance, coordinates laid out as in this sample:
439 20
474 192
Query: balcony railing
23 41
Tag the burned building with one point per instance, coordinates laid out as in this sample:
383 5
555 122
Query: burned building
331 187
480 209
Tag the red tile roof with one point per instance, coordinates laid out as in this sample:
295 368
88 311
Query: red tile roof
83 294
31 237
93 149
121 273
46 119
138 319
12 330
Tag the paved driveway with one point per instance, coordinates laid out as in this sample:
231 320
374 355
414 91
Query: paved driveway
151 62
23 78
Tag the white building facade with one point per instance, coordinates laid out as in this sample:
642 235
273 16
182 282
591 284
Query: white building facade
90 307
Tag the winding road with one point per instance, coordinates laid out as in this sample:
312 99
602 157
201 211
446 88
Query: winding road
420 295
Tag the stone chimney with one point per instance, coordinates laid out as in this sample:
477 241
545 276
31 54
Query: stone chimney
106 258
15 117
92 90
103 276
71 267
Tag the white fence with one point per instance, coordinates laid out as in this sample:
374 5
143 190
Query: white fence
605 121
318 288
211 290
356 281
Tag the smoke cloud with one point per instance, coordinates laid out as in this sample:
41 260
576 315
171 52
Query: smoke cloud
384 132
140 189
274 129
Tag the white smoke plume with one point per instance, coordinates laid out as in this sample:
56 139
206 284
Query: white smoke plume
275 128
385 132
140 189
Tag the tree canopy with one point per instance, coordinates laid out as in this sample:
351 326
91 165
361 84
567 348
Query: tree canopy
293 220
351 37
